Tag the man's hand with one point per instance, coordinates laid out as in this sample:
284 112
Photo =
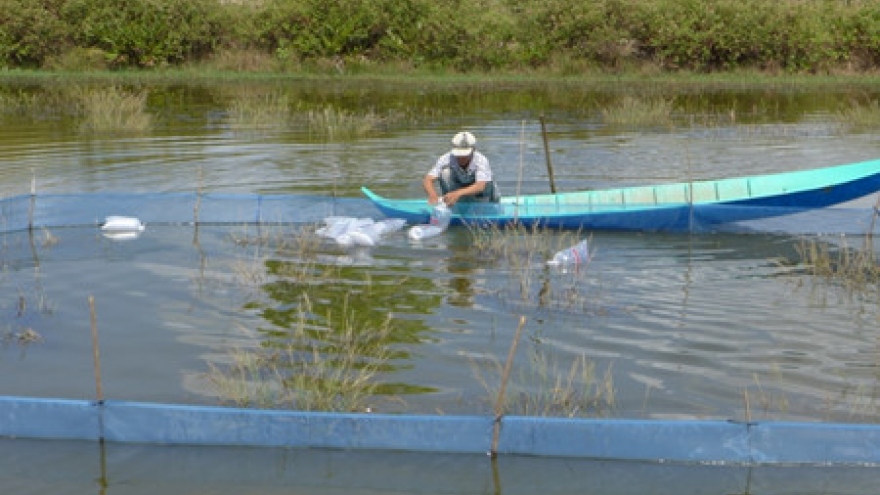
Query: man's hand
451 198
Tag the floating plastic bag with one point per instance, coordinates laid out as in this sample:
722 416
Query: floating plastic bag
440 218
419 232
578 254
350 231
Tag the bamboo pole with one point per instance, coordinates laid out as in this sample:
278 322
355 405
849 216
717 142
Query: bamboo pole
519 177
33 201
547 155
96 353
499 403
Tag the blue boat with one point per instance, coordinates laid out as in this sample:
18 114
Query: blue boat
662 207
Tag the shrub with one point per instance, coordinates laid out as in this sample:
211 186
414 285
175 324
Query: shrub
603 31
30 31
146 33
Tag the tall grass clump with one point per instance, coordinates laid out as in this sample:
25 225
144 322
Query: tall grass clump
328 368
642 112
333 123
856 268
113 110
324 335
544 388
861 116
260 112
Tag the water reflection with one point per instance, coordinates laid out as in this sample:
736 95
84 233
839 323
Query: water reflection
48 468
345 310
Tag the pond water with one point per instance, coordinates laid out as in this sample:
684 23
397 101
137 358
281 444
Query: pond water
712 325
88 468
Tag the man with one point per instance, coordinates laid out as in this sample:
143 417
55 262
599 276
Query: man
463 173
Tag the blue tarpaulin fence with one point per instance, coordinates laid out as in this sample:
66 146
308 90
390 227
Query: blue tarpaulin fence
188 208
752 444
72 210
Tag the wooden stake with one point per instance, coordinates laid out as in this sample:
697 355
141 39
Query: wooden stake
519 177
96 353
499 403
33 201
547 155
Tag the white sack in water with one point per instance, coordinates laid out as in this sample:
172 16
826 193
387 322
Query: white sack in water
117 223
349 231
121 228
418 232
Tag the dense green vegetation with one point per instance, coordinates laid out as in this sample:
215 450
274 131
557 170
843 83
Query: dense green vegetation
561 36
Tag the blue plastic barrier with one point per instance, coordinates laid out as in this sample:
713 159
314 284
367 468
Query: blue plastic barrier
751 444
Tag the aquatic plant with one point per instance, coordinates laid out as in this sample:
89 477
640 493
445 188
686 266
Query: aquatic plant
856 268
333 368
264 111
635 111
329 336
543 388
860 116
333 123
113 110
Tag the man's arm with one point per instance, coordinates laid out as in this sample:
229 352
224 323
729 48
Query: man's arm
428 184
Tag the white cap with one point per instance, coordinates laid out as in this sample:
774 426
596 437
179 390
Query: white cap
463 144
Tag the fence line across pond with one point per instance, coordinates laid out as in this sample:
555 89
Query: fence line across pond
685 441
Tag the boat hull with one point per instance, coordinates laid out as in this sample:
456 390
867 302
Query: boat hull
664 207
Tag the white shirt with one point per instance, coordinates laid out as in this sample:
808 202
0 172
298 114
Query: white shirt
479 164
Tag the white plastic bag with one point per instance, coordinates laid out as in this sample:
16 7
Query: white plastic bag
350 231
440 218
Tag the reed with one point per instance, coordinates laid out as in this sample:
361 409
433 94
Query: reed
857 269
333 368
543 388
861 116
260 112
328 356
333 123
634 111
113 110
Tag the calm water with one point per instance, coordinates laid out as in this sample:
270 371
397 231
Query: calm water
686 326
36 467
